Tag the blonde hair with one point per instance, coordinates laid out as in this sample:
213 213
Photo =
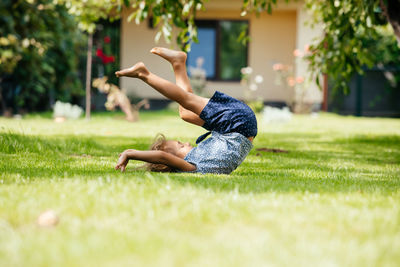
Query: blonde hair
159 143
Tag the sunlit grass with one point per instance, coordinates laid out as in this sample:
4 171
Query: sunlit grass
333 200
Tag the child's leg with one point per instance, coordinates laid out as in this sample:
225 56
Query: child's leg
172 91
178 62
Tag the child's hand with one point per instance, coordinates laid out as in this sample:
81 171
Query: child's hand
122 162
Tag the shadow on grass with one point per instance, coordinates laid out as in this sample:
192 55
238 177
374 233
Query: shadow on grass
359 164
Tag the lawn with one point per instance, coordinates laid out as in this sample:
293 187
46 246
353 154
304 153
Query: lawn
332 200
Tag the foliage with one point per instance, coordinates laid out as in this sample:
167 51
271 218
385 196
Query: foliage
345 48
332 200
258 6
40 33
386 51
38 47
89 12
106 41
353 39
165 14
10 52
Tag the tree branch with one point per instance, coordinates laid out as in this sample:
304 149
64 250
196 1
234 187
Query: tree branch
392 14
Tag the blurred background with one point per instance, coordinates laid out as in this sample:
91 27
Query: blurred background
289 54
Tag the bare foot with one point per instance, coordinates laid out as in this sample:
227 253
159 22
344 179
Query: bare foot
173 56
139 70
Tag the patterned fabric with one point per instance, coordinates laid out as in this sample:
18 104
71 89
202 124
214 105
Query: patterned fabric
221 153
225 114
231 122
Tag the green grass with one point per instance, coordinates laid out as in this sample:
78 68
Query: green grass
333 200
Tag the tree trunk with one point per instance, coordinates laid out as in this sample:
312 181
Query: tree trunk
89 75
391 10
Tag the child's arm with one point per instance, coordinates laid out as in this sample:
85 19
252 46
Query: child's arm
153 156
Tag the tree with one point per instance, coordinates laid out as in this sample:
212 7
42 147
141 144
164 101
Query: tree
165 13
355 35
344 49
88 13
38 47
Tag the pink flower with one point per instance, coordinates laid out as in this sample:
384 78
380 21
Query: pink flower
277 67
299 79
107 39
298 53
246 70
307 48
291 81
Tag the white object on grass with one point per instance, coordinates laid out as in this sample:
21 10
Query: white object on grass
67 110
48 219
276 115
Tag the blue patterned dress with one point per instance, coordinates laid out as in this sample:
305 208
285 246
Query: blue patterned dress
231 122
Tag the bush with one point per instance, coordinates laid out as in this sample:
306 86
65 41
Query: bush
39 53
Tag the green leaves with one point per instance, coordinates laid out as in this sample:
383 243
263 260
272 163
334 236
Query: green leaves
258 6
356 35
38 53
352 40
168 14
244 37
353 37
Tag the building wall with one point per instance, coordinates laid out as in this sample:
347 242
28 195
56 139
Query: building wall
306 35
273 41
136 42
274 38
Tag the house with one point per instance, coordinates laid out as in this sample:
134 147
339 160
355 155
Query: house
274 38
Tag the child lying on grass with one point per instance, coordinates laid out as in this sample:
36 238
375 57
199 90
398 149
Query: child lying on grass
232 123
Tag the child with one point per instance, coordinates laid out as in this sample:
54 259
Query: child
232 123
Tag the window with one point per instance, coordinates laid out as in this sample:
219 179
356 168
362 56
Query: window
223 55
